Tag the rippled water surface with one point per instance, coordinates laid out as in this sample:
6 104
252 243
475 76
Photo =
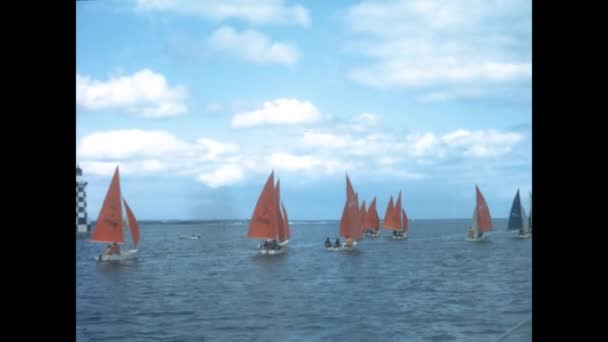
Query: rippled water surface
435 286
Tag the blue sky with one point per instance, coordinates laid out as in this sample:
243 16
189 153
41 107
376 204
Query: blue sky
198 101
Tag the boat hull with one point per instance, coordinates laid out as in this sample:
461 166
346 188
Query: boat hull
476 239
264 251
400 237
524 236
343 247
124 255
373 235
189 237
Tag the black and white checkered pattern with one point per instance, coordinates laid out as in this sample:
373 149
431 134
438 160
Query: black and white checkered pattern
81 203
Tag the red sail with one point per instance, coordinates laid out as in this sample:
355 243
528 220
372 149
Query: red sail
484 220
133 226
108 228
371 219
363 213
355 229
349 213
389 221
280 220
263 222
404 220
396 213
287 232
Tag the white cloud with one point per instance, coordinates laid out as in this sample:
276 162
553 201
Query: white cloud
222 176
479 144
106 168
253 46
260 11
140 152
450 44
422 144
281 111
292 162
215 148
324 140
144 93
124 144
364 122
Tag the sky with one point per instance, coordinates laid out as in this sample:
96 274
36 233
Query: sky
198 101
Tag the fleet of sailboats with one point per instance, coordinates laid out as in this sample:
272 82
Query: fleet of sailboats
109 227
270 224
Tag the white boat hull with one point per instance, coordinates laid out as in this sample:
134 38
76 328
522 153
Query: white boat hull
189 237
524 236
124 255
404 236
373 235
281 250
476 239
343 247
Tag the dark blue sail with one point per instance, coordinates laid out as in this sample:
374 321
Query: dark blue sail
530 217
515 219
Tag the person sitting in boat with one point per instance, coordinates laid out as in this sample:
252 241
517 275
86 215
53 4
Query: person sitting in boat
113 249
471 232
337 243
327 243
274 244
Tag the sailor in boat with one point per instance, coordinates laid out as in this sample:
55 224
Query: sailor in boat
337 243
112 249
349 242
471 232
327 243
265 244
274 244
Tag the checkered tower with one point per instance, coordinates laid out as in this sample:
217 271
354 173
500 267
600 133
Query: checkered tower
81 203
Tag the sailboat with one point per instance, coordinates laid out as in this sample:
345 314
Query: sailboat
395 219
518 220
109 227
530 217
268 221
350 222
371 222
482 221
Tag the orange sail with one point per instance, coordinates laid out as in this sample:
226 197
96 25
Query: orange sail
133 226
389 217
484 220
371 218
396 214
404 220
287 232
356 229
280 219
349 213
363 212
108 228
264 219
